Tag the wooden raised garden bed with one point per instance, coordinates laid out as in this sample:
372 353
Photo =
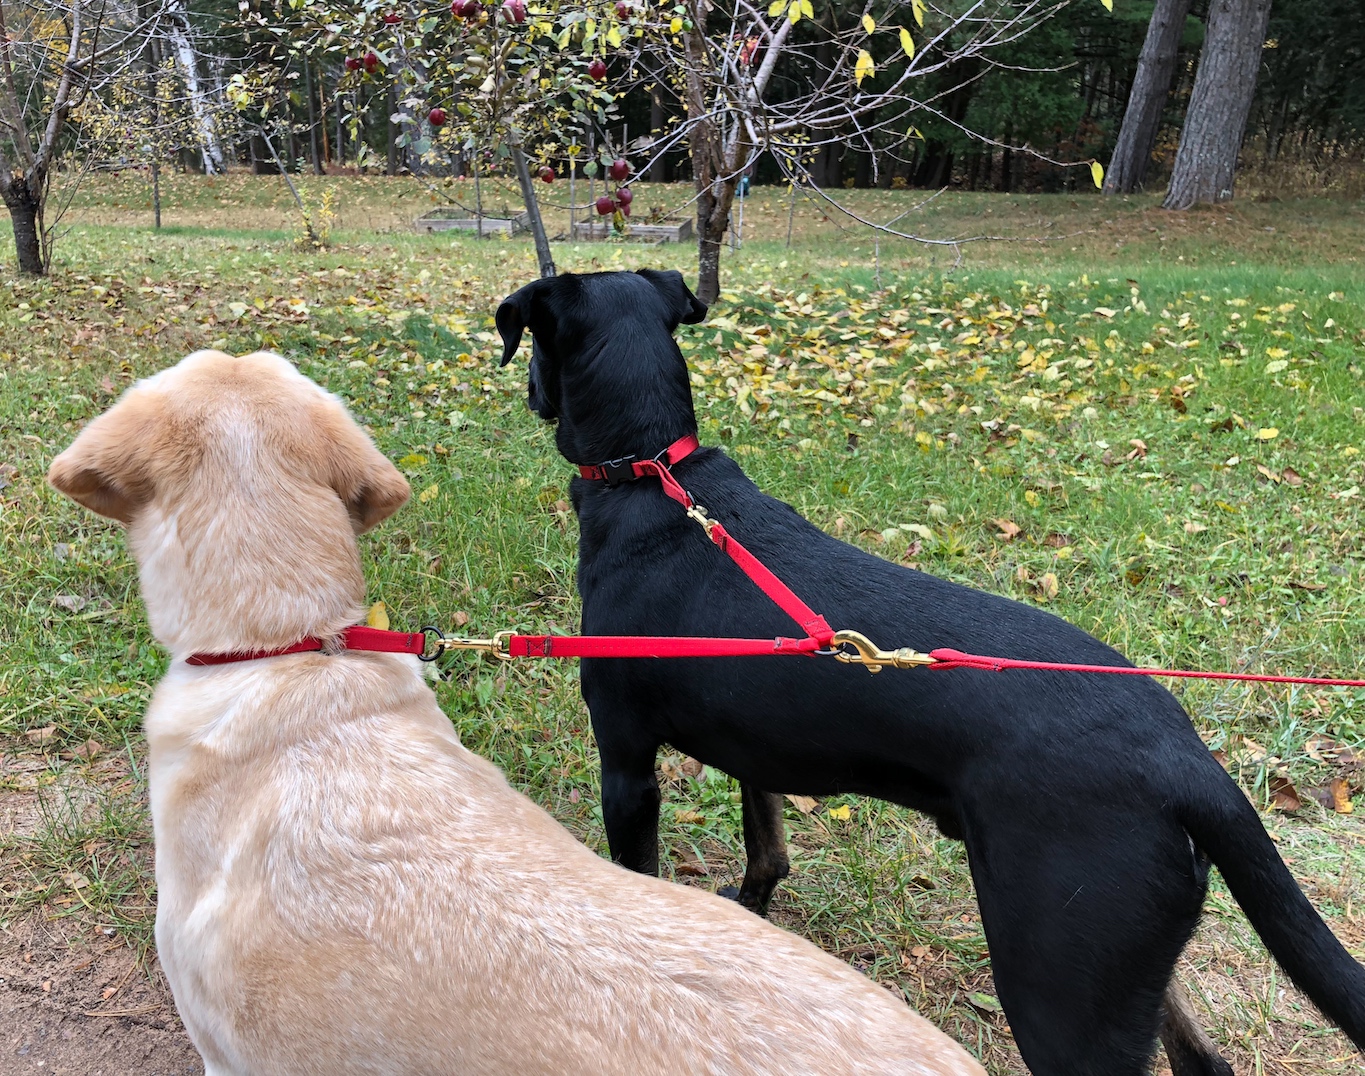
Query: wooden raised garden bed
446 219
669 231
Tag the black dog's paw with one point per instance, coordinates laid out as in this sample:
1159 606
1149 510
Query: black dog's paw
729 892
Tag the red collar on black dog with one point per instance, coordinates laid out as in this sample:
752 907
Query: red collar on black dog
628 469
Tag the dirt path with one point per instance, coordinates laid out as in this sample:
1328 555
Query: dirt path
80 1004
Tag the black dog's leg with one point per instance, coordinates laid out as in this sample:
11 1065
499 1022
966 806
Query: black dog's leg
765 848
1085 918
1188 1047
630 803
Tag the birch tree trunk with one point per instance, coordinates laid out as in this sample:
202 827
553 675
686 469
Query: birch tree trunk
1147 99
179 31
1217 117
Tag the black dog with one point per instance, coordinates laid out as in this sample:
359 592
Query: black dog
1089 806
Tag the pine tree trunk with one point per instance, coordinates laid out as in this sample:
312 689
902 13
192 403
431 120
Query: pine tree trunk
28 240
1147 99
1220 104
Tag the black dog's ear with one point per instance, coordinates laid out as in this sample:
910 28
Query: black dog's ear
685 307
514 315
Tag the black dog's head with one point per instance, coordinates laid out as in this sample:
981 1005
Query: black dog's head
603 359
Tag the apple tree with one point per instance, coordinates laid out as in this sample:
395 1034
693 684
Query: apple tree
509 80
793 77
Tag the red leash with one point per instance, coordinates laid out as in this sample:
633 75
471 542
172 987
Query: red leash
614 472
945 658
820 638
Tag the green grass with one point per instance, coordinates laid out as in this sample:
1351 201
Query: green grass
1123 428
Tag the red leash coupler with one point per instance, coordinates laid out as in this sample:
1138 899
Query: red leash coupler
820 638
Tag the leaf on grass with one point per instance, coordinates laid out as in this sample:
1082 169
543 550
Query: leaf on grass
429 494
1291 477
804 804
1325 749
1272 475
42 735
72 603
1194 528
1341 796
1047 586
378 616
1009 530
689 818
86 751
690 864
1267 433
1105 311
989 1002
842 813
1276 366
1283 795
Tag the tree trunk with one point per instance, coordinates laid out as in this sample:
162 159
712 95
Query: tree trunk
713 214
187 60
391 132
1147 99
528 194
313 152
656 131
24 212
1223 89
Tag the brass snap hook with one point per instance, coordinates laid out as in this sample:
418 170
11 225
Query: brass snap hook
873 657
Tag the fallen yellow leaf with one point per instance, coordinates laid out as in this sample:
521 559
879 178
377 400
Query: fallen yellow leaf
378 617
842 813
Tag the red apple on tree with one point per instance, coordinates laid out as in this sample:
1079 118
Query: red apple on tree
625 196
624 207
514 11
623 10
371 62
437 117
354 63
605 206
392 19
619 169
597 70
547 174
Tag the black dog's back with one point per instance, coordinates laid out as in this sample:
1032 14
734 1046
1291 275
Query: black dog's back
1087 803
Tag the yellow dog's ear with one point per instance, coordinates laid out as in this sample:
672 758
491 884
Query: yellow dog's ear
371 488
106 468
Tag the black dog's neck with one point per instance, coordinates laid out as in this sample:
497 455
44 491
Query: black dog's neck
639 412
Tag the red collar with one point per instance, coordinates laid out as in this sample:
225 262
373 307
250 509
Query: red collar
358 637
627 468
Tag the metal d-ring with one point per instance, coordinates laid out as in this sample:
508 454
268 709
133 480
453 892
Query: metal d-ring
428 631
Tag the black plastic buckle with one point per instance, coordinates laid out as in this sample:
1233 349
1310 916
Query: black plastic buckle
614 472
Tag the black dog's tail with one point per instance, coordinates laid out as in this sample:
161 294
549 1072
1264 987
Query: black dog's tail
1221 821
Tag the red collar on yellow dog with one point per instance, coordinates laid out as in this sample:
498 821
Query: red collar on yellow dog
357 637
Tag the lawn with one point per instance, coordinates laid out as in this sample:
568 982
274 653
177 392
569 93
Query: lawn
1152 424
